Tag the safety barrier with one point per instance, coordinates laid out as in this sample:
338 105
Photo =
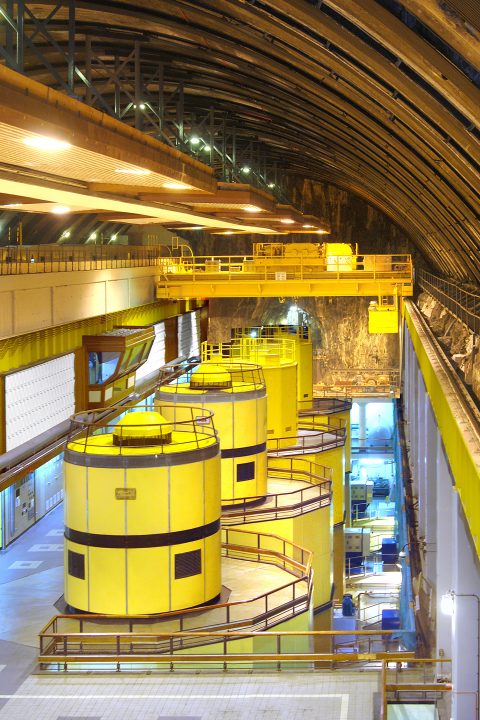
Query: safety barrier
71 634
252 267
82 646
462 303
273 506
30 259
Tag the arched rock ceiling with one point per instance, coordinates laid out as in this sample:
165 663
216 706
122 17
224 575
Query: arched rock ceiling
343 89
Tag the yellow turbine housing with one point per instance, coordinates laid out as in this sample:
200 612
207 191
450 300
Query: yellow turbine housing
142 513
235 393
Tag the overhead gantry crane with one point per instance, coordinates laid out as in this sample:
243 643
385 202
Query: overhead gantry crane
287 270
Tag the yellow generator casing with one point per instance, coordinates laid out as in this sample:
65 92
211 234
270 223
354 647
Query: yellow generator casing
301 336
235 393
142 517
276 356
278 360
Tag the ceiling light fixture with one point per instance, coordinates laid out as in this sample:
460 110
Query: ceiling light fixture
60 210
194 140
132 171
92 236
322 232
176 186
42 142
245 169
271 185
287 221
11 205
307 226
252 209
207 148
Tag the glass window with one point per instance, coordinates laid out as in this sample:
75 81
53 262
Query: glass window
137 351
101 366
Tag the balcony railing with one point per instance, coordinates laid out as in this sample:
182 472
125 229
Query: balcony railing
90 634
30 259
463 304
273 506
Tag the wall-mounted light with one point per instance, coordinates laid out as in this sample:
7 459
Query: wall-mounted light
447 603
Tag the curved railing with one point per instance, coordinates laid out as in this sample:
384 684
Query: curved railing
193 428
70 634
249 375
324 406
316 437
274 506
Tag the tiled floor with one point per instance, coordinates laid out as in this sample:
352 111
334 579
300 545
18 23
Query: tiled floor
29 590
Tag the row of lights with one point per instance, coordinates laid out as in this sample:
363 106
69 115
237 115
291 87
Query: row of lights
93 236
50 144
245 169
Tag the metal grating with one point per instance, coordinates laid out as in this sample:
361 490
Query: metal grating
188 564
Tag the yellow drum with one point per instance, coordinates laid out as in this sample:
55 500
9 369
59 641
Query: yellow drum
235 393
142 513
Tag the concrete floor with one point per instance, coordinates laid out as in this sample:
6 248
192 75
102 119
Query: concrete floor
31 579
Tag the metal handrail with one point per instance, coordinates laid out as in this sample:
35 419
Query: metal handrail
324 405
31 259
315 441
161 647
258 613
275 351
249 375
251 267
197 427
463 304
286 504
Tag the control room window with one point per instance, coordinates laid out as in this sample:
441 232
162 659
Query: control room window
188 564
76 565
245 471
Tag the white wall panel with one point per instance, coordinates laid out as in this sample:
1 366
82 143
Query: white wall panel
189 334
38 398
156 357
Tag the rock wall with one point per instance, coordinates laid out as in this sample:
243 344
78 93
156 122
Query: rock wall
350 217
344 351
458 342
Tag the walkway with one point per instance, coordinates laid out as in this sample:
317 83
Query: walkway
31 578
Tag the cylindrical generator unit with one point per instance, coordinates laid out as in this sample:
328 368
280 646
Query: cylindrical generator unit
301 336
142 513
235 393
277 359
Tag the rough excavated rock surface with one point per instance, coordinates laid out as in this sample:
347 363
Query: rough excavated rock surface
351 218
344 351
458 342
